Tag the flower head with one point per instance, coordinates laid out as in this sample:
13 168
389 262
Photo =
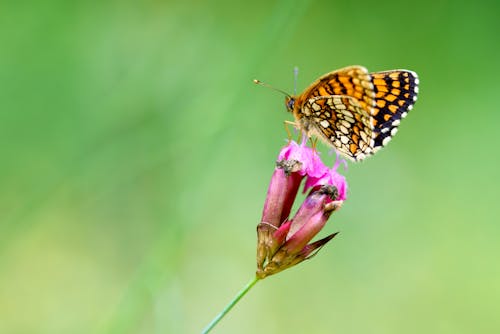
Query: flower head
284 242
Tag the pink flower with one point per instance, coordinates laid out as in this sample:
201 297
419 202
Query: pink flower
284 242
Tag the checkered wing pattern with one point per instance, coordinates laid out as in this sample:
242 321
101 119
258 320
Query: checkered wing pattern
395 94
354 111
353 81
340 121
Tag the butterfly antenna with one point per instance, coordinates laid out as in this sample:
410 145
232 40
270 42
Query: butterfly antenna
295 79
258 82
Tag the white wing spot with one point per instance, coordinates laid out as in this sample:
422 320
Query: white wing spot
360 156
363 136
345 123
348 114
344 129
306 111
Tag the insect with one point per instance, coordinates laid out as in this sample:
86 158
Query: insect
354 111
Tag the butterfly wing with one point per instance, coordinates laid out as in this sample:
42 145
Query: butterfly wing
342 123
372 104
395 94
353 81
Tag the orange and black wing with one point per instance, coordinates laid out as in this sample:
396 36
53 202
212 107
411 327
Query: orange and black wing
354 111
353 81
395 94
342 123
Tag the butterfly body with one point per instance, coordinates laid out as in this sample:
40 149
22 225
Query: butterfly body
355 111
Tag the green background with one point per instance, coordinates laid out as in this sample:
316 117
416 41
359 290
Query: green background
136 154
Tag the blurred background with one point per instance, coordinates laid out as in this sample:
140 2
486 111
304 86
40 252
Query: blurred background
136 154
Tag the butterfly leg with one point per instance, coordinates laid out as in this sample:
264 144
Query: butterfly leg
289 134
313 141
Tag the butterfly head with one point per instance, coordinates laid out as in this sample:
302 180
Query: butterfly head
289 103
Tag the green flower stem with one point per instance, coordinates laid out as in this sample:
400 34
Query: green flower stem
230 305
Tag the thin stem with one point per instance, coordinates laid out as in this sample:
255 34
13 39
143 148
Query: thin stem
229 306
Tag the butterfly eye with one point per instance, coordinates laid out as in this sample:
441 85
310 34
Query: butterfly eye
290 103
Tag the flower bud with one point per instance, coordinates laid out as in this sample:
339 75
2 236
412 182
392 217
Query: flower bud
282 243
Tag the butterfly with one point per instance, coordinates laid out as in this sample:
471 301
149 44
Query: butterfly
354 111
